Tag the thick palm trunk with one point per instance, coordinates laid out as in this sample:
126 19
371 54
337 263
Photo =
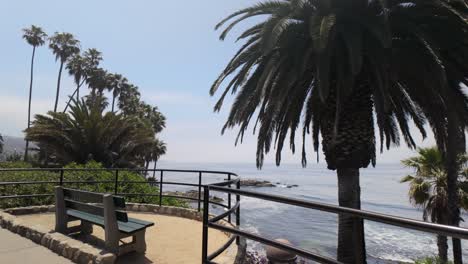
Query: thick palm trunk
351 242
455 146
154 169
26 149
443 248
58 86
349 144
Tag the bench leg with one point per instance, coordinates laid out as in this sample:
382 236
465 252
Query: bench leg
140 243
86 227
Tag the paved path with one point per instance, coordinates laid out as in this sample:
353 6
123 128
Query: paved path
15 249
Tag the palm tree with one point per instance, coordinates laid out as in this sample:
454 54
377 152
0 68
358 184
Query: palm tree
86 133
63 45
334 65
35 37
428 189
129 99
158 150
80 67
118 84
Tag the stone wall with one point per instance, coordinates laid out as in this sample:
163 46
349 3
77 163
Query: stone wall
78 251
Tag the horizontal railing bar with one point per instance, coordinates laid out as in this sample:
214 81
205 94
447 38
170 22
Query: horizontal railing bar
113 169
221 216
221 249
180 183
299 251
372 216
28 183
25 196
87 182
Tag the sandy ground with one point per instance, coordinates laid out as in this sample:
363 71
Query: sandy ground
172 240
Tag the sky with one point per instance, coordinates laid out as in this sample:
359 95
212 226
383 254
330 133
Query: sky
169 49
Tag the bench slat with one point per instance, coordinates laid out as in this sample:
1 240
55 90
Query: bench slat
90 197
95 210
125 227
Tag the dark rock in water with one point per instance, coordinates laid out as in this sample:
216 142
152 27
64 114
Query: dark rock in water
259 183
256 183
194 194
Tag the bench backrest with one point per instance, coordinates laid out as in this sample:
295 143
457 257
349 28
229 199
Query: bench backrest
80 200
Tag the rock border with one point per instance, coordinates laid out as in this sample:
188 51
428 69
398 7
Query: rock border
83 253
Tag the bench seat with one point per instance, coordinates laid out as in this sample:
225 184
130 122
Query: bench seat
132 226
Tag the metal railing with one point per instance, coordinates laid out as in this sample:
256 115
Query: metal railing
407 223
60 180
225 186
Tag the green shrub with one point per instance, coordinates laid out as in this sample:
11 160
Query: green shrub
431 260
106 184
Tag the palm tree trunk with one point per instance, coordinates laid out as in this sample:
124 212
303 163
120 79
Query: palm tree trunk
154 169
29 105
351 242
455 146
146 168
58 85
113 102
77 91
443 248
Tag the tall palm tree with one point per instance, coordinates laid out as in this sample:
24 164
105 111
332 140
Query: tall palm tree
158 150
63 45
129 99
429 190
335 66
86 133
80 67
118 84
35 37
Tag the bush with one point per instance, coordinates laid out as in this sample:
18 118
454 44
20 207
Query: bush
49 179
431 260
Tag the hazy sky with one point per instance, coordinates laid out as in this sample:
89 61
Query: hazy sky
167 48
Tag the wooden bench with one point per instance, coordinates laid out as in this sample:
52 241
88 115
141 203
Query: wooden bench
71 205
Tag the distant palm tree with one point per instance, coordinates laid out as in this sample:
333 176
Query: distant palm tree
428 189
35 37
155 151
80 67
129 99
335 66
118 84
63 45
87 133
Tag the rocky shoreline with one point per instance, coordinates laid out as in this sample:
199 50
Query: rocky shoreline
194 194
260 183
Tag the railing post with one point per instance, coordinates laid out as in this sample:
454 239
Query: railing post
238 211
161 187
61 177
116 184
206 207
229 199
199 190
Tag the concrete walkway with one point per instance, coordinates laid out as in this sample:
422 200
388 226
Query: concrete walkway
15 249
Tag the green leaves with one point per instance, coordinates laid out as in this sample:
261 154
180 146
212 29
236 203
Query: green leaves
88 133
404 59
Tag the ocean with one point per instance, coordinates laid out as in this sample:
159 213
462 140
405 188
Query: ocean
316 231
